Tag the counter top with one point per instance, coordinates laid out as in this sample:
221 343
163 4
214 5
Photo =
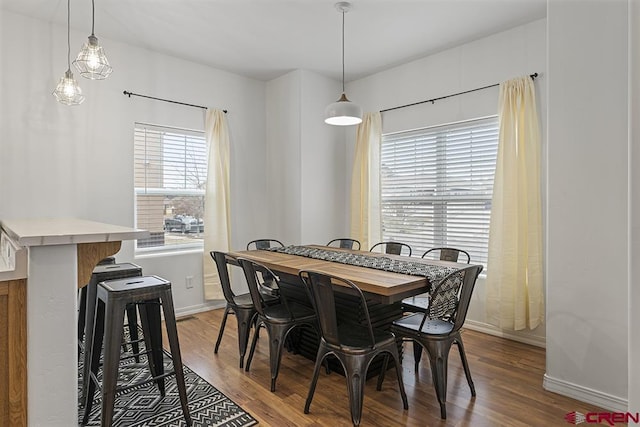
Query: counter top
63 231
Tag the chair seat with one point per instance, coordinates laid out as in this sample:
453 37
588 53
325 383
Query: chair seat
416 303
356 337
278 313
431 326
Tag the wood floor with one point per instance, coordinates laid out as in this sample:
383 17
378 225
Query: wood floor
507 376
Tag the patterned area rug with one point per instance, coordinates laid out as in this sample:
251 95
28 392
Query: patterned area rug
143 405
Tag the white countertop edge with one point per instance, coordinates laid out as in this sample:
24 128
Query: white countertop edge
65 231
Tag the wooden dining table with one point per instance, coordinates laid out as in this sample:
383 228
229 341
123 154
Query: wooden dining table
383 290
380 286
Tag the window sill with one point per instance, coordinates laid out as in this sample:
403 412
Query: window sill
168 252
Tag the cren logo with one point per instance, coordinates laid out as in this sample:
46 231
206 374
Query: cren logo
610 418
575 417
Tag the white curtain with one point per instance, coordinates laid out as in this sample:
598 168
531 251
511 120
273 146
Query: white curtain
514 287
217 217
365 182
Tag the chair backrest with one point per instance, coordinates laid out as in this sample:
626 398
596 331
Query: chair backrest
320 289
222 259
448 254
345 243
449 299
264 244
254 272
392 248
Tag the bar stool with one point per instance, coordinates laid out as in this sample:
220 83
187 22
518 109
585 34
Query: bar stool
112 299
101 273
82 306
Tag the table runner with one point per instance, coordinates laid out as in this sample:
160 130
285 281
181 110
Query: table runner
432 272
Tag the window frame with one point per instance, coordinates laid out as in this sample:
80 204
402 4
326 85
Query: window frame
198 244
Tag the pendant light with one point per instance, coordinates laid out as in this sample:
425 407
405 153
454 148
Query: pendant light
91 62
68 92
343 112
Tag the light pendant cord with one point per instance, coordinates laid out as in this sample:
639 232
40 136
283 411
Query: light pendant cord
93 15
343 51
68 35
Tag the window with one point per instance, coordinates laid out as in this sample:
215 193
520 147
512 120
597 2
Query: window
170 172
437 185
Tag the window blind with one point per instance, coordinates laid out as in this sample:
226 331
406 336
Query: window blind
170 167
437 184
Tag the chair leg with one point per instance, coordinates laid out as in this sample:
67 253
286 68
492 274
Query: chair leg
277 336
222 325
393 353
465 365
174 346
383 370
356 375
320 358
417 354
438 357
396 360
256 335
245 319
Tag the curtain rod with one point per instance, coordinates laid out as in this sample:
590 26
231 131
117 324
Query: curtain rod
533 77
130 94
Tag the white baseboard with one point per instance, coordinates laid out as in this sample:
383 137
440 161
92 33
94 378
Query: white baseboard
195 309
492 330
584 394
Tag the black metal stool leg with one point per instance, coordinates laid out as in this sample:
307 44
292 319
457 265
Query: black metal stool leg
92 361
89 335
114 322
152 331
172 334
82 313
132 322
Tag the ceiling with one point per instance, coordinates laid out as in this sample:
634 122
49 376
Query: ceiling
264 39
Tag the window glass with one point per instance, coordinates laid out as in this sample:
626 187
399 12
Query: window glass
170 172
437 184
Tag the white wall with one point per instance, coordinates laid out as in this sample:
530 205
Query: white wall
77 161
587 218
305 159
634 191
519 51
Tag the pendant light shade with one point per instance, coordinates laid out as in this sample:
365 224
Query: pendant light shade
91 62
67 91
343 112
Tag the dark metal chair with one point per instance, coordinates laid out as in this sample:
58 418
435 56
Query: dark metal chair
278 319
354 345
239 305
392 248
264 244
439 328
420 303
345 243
